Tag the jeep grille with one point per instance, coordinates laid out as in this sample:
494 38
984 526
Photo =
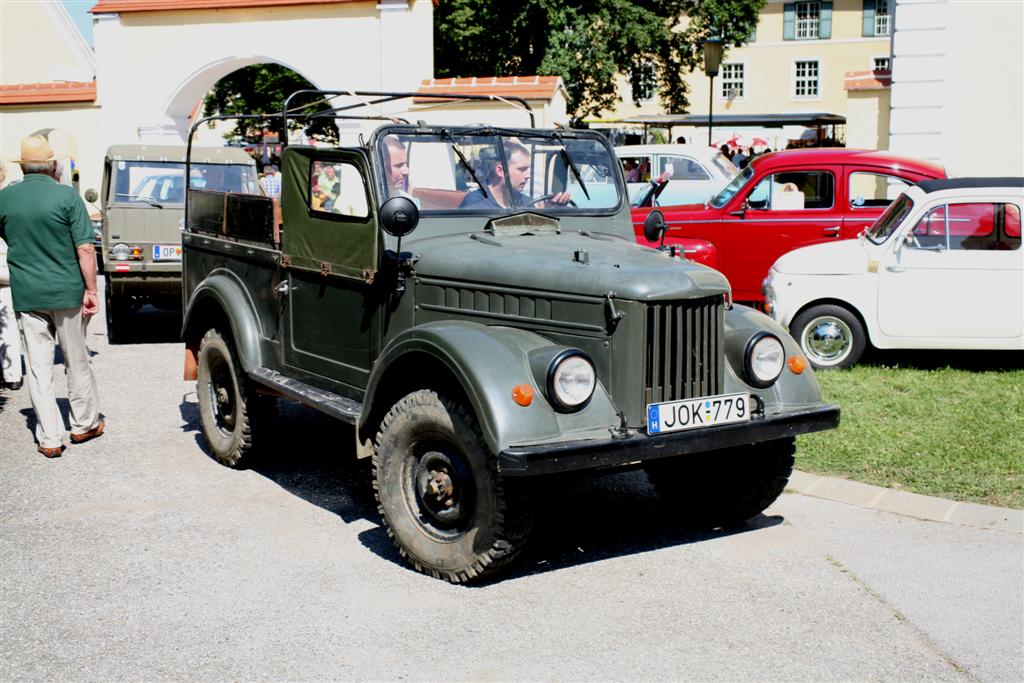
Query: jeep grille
683 349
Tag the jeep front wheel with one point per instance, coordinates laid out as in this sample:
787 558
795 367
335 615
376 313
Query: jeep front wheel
727 487
226 403
440 495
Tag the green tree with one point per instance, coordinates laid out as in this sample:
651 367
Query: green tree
262 89
587 42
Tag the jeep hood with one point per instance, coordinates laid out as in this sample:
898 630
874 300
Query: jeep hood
550 262
846 257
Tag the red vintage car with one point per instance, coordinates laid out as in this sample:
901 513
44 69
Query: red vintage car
783 201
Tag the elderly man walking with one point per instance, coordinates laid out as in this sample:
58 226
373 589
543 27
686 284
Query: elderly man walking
53 284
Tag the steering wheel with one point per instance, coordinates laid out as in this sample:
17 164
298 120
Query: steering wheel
546 197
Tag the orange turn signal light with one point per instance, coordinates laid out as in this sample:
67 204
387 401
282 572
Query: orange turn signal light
522 394
797 364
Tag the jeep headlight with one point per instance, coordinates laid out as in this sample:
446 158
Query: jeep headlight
571 380
763 360
121 252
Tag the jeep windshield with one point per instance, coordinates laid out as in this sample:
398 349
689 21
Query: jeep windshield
497 171
734 186
156 183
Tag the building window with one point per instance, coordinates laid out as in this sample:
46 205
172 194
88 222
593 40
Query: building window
732 81
881 64
881 17
808 15
806 82
877 19
644 82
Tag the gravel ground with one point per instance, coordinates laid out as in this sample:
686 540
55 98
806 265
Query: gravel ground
137 557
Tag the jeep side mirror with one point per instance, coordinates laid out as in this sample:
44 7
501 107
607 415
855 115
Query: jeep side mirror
654 226
91 196
398 216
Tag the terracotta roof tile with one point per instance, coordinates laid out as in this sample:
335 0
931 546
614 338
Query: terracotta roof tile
527 87
125 6
45 93
867 80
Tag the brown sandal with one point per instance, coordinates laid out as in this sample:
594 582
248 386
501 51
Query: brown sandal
51 452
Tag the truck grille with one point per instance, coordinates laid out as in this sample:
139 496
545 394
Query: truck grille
683 349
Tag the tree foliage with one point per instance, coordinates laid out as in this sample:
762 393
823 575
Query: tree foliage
262 89
588 42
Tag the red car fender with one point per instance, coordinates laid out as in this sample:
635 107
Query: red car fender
697 250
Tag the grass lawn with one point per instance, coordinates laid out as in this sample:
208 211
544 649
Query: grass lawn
938 423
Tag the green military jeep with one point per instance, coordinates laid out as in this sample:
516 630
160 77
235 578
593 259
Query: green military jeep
143 207
474 302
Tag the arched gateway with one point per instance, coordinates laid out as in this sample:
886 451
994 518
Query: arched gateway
156 59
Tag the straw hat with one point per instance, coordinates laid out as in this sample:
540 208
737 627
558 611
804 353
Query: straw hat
35 149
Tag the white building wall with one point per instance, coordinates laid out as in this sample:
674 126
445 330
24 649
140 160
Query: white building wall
154 67
958 84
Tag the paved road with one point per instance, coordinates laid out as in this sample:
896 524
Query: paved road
138 557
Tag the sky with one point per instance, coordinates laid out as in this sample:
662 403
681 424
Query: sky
79 11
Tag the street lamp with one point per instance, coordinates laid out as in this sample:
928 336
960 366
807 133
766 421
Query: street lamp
712 60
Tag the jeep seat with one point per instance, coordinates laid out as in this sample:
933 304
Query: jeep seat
431 198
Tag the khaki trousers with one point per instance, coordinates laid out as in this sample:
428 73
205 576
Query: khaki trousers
38 331
10 342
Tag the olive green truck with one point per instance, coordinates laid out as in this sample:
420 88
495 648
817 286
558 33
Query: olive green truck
474 302
143 208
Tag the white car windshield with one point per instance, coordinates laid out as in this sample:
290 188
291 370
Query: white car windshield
890 220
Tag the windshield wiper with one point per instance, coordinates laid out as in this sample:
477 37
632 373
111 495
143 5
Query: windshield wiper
571 165
447 135
148 200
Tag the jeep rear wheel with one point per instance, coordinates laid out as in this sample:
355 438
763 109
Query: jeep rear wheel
440 495
227 403
727 487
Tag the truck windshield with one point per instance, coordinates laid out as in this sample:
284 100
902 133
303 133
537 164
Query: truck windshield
734 186
890 220
151 182
497 172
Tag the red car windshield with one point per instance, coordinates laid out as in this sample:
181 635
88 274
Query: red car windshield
734 186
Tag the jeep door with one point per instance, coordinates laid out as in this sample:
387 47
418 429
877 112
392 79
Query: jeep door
783 211
330 253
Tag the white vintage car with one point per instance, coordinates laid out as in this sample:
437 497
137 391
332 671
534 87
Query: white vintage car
942 268
695 173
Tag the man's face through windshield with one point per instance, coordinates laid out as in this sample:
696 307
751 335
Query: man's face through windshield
518 169
398 166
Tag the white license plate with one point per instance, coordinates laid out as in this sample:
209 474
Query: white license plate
693 413
166 252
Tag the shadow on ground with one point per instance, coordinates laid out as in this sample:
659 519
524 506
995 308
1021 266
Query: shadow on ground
149 325
577 521
928 359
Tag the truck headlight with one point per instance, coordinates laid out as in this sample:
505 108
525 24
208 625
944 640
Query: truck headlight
763 360
121 252
571 380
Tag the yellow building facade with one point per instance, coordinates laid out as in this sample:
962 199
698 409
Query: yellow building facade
801 58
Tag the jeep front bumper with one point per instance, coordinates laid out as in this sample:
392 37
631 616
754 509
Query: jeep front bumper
525 461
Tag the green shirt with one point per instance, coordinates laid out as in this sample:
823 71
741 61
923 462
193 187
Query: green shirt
42 222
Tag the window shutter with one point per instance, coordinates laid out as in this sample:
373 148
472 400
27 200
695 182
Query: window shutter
825 21
789 21
869 18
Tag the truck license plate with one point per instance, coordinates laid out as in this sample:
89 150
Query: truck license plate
166 252
693 413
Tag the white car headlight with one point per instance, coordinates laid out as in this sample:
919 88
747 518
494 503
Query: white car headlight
764 359
121 252
571 380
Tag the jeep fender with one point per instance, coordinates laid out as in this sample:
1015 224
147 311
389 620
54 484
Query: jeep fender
487 362
792 389
222 296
